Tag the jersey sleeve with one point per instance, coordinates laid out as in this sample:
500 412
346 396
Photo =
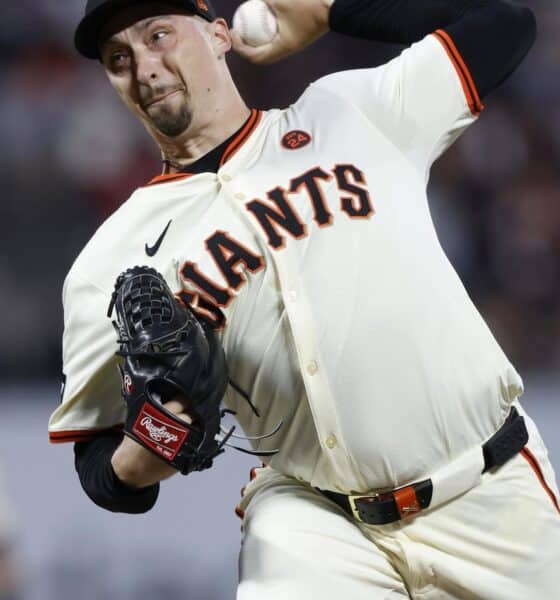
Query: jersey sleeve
91 399
421 101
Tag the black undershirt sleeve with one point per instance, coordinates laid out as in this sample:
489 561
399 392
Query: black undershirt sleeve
98 479
492 36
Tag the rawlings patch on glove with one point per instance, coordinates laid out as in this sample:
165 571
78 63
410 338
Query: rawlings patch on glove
168 352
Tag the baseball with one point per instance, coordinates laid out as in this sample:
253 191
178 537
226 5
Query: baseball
255 22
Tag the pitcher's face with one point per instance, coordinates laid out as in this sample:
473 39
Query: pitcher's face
162 64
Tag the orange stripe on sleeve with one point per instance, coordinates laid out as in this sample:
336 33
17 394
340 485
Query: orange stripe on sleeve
465 77
79 435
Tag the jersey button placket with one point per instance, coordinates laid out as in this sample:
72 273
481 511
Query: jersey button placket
301 321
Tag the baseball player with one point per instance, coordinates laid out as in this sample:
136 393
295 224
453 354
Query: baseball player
405 466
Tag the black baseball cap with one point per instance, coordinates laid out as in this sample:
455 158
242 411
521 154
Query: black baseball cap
99 12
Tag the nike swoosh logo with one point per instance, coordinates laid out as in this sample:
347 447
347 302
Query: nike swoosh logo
152 250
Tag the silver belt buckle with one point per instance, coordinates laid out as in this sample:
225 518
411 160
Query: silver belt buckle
352 501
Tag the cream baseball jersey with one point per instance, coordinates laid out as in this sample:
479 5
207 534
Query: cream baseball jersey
314 250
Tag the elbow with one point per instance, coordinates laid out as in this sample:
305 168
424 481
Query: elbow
100 483
113 495
528 25
522 24
136 506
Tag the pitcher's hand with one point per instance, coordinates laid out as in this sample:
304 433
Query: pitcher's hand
300 23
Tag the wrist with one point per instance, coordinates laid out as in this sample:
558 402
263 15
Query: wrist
136 467
125 466
124 488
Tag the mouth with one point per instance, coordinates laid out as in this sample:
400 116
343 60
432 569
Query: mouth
160 99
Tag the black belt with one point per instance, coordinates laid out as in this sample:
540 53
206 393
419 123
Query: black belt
388 507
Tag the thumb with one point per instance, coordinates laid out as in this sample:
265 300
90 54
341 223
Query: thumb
258 55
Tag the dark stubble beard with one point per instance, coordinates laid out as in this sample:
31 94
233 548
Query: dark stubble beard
172 121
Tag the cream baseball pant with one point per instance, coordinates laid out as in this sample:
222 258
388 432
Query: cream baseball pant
498 541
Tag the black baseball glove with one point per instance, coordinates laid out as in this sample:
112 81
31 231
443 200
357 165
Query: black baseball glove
168 352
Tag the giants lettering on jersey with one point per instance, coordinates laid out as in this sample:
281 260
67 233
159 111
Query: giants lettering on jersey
277 218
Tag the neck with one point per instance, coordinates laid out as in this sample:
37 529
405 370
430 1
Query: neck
210 130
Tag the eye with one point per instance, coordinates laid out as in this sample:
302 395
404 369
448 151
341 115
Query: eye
118 59
158 35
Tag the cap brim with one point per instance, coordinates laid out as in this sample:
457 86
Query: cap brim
86 38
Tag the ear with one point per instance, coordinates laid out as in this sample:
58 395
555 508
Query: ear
221 38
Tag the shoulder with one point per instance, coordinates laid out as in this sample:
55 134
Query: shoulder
326 95
342 91
94 264
424 55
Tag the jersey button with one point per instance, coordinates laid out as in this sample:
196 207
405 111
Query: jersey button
312 367
226 177
240 196
330 441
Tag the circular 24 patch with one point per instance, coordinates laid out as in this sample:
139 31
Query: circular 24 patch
296 139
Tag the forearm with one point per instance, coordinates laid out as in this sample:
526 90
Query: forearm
492 36
119 474
137 467
93 461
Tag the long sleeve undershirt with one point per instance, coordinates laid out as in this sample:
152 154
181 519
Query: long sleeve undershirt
98 479
492 36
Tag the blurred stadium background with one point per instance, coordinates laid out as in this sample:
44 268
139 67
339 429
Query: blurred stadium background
71 154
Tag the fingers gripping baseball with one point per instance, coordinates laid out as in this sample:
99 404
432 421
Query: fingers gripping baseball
300 23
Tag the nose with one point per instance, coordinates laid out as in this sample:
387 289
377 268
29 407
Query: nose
146 69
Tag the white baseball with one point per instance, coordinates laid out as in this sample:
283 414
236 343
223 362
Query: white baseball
255 23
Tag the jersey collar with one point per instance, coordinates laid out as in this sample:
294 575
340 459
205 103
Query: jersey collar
217 157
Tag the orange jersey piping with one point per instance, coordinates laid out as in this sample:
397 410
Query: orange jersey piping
235 145
79 435
168 177
242 137
467 82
